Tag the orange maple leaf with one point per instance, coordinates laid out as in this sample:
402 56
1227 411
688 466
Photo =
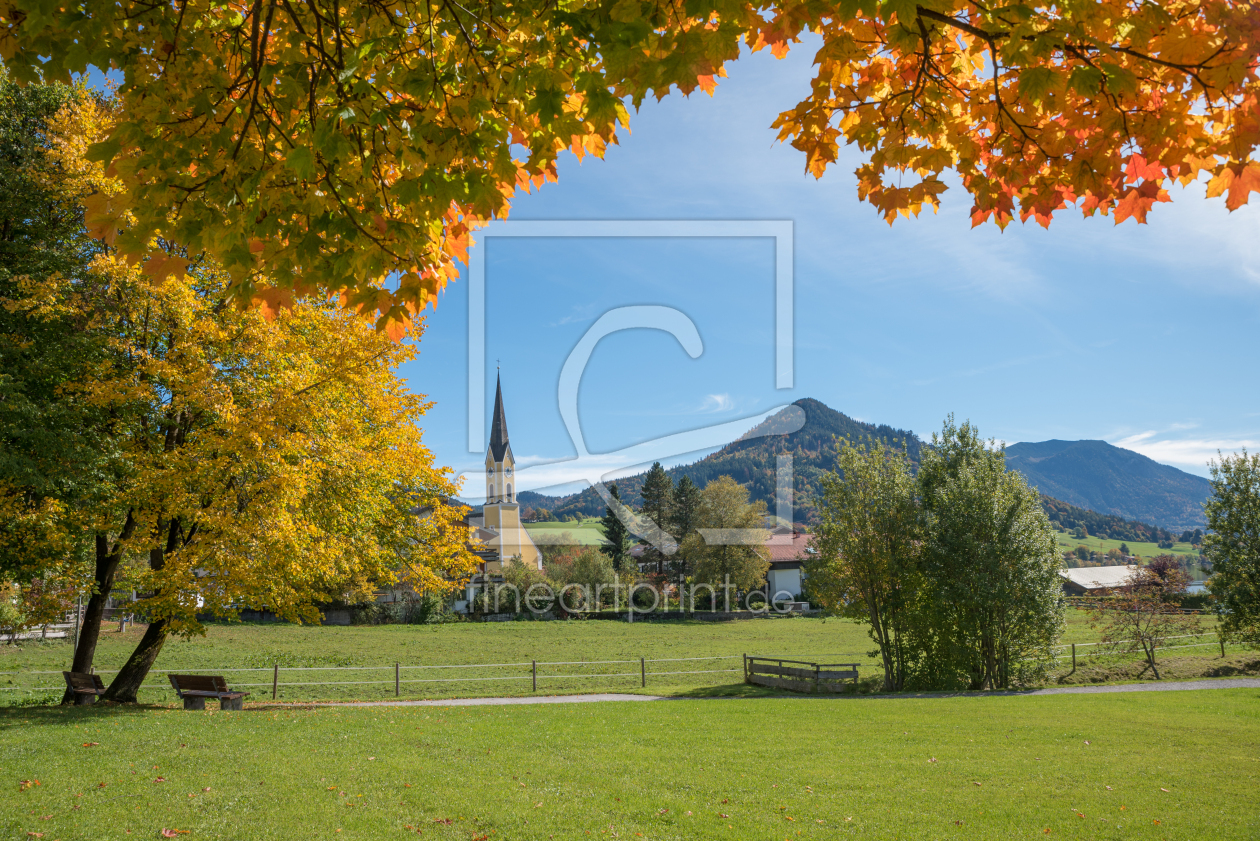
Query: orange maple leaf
160 267
1240 180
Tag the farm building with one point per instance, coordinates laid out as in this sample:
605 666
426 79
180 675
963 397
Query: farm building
788 551
1085 580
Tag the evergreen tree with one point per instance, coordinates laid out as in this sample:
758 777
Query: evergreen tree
657 492
616 535
683 516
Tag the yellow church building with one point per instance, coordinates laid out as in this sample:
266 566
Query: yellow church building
499 524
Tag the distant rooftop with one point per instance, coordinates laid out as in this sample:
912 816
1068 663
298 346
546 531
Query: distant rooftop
1098 578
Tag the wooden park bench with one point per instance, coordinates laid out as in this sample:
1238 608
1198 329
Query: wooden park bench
84 686
799 675
195 689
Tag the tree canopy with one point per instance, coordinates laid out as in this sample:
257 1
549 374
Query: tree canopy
308 146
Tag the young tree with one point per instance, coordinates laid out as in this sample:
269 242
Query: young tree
869 541
1232 544
990 564
245 134
617 540
1139 615
658 493
738 553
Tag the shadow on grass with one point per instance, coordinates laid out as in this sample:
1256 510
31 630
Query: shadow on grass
14 716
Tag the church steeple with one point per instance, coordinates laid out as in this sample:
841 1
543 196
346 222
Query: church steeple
498 431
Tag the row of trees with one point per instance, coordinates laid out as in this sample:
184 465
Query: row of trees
157 435
672 519
954 569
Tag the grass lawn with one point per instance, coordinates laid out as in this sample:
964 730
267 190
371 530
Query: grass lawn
1140 765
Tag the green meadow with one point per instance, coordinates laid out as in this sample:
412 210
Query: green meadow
362 658
1117 766
1067 542
584 533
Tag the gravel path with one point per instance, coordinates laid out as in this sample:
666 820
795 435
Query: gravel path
1163 686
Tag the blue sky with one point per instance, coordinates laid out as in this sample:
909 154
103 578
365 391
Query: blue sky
1144 336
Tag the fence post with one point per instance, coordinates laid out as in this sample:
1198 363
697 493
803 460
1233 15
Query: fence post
1222 641
642 672
1073 659
534 673
275 681
745 668
396 681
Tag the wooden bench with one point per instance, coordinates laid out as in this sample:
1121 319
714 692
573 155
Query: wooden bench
195 689
800 675
84 686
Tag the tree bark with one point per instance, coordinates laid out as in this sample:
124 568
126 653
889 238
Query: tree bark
107 561
126 683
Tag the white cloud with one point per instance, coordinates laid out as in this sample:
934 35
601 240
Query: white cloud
1190 454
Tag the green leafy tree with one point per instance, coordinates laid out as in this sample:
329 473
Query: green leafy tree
617 540
741 558
991 565
1232 544
869 540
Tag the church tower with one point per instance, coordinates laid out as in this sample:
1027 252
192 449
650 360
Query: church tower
502 513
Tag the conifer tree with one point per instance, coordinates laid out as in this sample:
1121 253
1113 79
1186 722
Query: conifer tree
657 493
616 535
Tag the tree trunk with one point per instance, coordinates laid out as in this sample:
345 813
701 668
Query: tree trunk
127 683
107 560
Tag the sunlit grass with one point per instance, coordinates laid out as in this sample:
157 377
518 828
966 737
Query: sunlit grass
1141 765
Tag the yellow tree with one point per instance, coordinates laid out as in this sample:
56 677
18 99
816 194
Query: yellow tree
728 547
270 462
312 145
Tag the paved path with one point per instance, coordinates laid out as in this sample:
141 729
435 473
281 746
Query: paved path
1163 686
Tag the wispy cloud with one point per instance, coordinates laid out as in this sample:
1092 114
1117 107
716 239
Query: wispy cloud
714 403
1191 454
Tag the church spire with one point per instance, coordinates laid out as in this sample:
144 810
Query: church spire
498 430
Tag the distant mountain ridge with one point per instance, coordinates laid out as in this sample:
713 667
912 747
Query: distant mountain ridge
1094 475
1112 480
751 460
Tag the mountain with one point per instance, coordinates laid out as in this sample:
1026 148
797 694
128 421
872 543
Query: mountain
1112 480
751 460
1090 483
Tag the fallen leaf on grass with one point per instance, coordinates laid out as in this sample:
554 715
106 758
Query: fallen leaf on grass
1156 821
1107 787
1165 790
1123 808
1087 742
933 759
45 817
173 833
91 744
723 815
36 834
207 788
443 821
958 823
160 780
975 784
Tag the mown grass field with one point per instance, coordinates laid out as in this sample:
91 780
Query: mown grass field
1067 542
584 533
1125 766
363 658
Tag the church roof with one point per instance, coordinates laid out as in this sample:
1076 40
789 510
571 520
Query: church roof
498 429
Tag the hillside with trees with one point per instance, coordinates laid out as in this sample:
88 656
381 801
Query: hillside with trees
751 460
